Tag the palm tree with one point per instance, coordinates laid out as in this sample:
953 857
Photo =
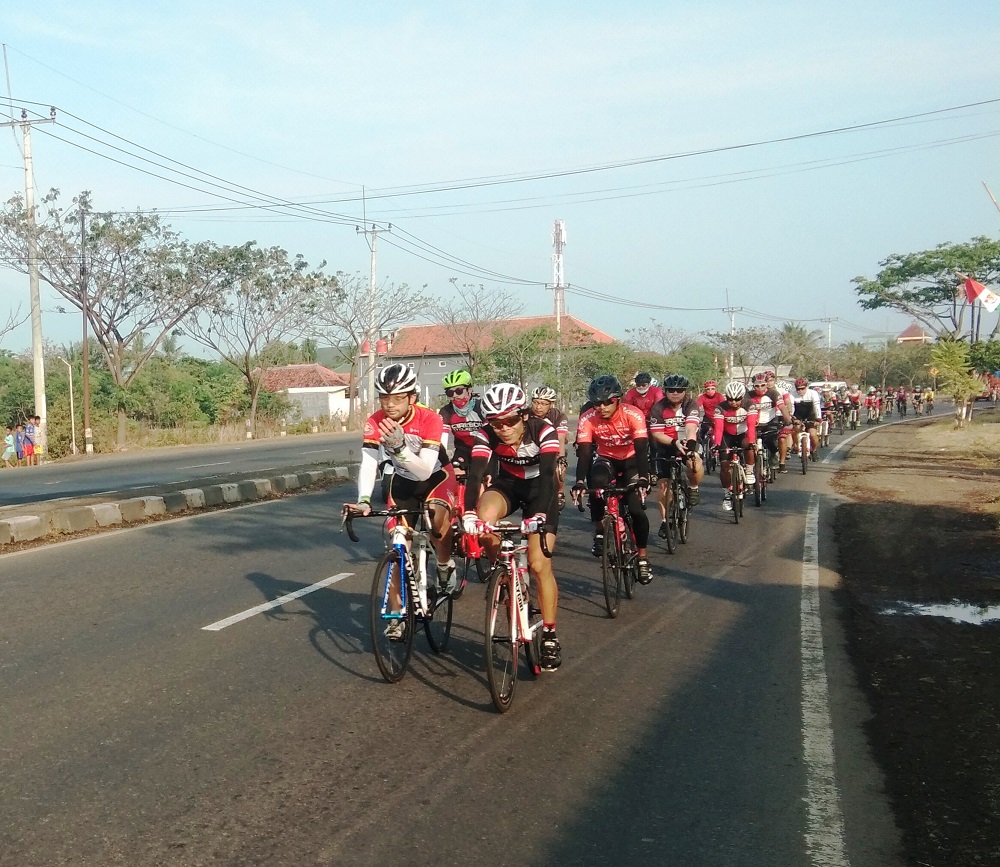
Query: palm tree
799 347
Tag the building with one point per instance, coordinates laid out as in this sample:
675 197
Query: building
434 350
913 334
313 391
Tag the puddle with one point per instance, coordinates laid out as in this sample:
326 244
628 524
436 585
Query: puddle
957 612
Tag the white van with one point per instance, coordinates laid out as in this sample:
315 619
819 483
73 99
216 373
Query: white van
833 385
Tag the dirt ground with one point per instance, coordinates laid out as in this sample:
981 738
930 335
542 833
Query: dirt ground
922 528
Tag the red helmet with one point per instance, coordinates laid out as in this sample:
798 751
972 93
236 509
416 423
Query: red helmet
760 379
801 382
710 383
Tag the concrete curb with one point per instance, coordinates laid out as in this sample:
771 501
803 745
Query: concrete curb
72 518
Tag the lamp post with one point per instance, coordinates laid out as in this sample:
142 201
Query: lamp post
72 413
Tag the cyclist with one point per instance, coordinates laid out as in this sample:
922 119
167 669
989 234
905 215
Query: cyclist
917 400
462 416
807 407
543 405
854 401
613 450
901 400
929 399
667 418
524 448
736 428
890 400
410 435
774 414
708 400
830 403
644 394
872 403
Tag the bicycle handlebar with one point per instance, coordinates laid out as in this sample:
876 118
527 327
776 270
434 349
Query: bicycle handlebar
348 515
506 528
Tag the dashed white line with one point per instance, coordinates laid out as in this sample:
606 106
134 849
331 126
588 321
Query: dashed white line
824 819
275 603
201 466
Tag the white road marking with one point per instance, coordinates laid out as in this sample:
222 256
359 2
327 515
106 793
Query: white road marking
317 452
824 820
275 603
201 466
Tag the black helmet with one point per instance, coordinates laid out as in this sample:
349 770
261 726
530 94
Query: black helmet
643 378
676 380
603 388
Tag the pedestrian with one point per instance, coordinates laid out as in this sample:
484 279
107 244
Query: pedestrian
30 435
19 443
9 451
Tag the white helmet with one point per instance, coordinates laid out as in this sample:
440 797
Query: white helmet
396 379
503 399
544 392
736 390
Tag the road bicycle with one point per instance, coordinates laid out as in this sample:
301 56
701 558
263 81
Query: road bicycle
918 406
887 410
765 471
852 417
803 442
620 554
401 596
840 420
467 547
511 620
678 501
737 478
873 417
705 440
824 429
901 406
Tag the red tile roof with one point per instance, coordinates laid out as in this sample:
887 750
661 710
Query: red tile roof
413 340
302 376
914 332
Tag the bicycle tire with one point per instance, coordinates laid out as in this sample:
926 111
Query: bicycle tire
804 454
629 567
501 647
758 485
437 626
683 519
611 567
533 648
671 538
391 656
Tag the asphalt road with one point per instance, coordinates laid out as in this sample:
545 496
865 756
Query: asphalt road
689 731
136 473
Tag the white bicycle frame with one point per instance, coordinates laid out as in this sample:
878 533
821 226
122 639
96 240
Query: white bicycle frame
401 538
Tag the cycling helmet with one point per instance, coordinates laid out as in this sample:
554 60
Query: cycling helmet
916 388
736 390
604 388
501 399
654 382
759 379
676 380
396 379
457 378
801 382
643 379
871 389
710 383
543 392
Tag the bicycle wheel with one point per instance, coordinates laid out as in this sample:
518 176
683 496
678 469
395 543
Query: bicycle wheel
804 453
501 640
671 538
683 516
533 648
629 566
611 567
758 485
437 625
392 654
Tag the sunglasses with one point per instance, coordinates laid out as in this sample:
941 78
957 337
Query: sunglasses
500 423
607 402
457 391
676 390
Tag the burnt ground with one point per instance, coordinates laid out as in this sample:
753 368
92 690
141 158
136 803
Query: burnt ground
922 527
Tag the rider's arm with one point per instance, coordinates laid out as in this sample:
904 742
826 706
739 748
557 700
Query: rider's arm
584 454
719 421
547 476
642 456
474 478
367 473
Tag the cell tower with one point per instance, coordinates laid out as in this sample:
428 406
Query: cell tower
558 275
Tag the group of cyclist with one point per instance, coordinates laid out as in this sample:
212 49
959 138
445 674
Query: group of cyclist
511 452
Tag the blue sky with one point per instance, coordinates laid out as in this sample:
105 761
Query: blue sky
315 101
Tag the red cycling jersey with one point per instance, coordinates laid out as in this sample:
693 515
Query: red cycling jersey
643 402
614 437
742 419
422 429
708 404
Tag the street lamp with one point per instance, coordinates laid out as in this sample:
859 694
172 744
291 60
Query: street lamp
72 413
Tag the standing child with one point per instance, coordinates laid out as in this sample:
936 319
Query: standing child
30 434
8 451
19 443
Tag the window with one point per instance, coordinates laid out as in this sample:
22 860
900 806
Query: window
442 363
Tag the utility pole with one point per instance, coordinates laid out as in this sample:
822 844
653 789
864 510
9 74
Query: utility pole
829 343
372 336
559 294
732 331
88 433
38 362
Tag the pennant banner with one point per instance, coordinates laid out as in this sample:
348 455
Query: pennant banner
976 291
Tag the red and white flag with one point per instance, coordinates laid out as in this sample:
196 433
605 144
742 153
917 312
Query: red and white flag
976 291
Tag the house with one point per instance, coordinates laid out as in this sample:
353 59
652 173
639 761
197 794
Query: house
434 350
313 391
913 333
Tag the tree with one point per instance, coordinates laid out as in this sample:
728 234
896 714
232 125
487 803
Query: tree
269 300
748 348
955 375
799 347
471 315
659 338
142 278
925 285
521 356
342 318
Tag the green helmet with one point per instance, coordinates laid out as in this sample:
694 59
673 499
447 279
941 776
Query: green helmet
456 378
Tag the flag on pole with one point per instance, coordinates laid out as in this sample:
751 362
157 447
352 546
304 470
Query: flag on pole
974 290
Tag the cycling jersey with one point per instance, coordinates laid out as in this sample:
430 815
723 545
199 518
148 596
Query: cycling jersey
558 420
735 422
643 402
767 404
461 425
614 437
807 406
709 403
854 397
422 430
665 418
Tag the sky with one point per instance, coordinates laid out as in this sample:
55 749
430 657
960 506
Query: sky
753 155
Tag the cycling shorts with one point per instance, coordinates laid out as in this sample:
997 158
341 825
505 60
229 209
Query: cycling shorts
440 489
524 494
664 458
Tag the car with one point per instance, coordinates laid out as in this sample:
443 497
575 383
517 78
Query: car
833 385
